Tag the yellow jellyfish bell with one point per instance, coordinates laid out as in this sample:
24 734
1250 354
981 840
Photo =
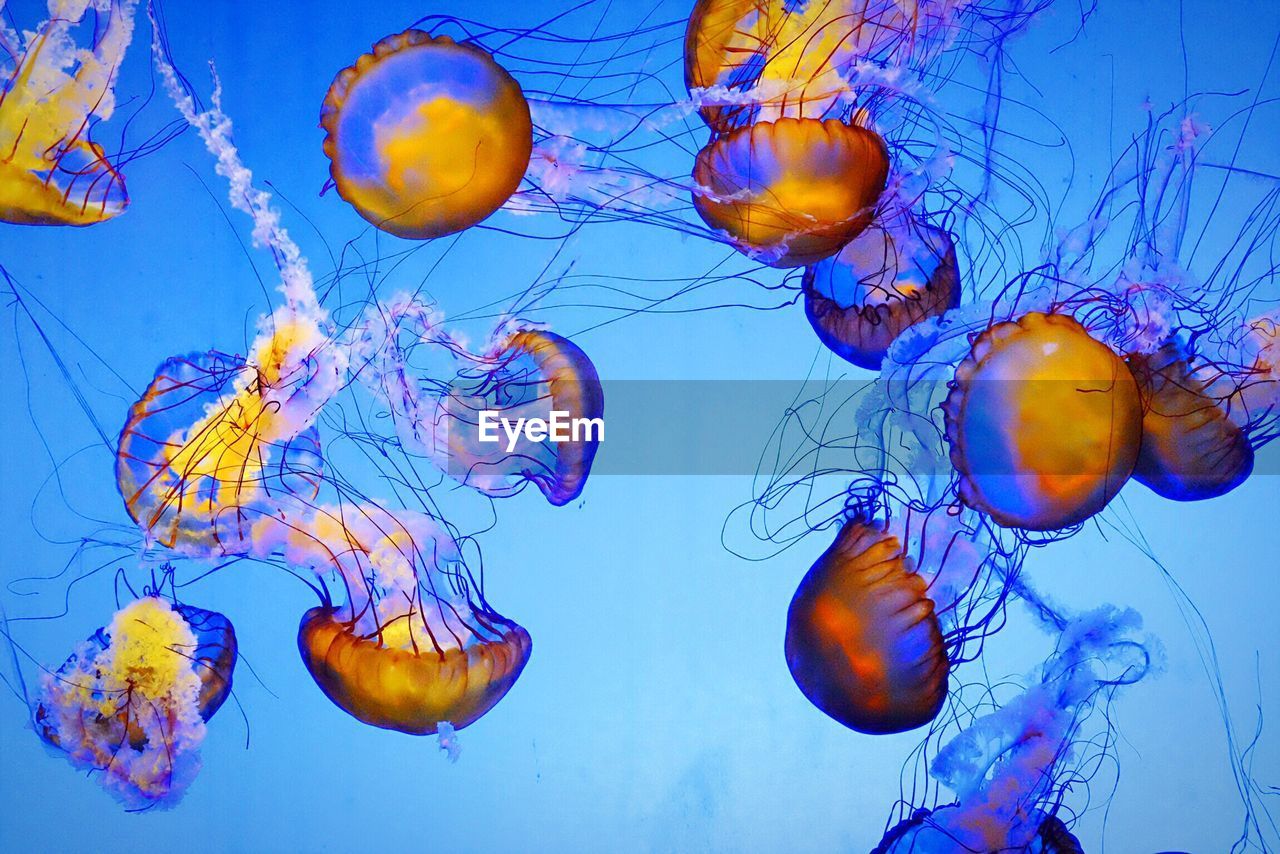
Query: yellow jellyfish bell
51 173
425 136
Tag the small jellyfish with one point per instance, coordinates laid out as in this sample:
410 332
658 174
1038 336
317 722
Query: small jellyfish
1191 450
791 192
416 644
863 643
1044 423
206 448
532 411
426 136
132 700
886 279
52 92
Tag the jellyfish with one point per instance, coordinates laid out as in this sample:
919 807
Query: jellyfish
791 192
426 136
1191 449
415 645
761 59
863 643
921 834
52 93
532 410
205 449
893 275
131 702
1044 423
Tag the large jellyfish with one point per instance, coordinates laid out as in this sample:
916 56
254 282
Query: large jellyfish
52 92
131 702
426 136
793 191
863 642
415 645
895 274
1044 422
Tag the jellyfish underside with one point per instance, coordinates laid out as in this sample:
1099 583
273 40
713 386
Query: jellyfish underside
791 192
411 691
861 299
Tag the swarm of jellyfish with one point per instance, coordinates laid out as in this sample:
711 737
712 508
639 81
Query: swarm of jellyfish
1014 398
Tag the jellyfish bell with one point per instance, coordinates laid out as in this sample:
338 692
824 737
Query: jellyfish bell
532 375
132 700
771 58
1044 423
791 192
1191 450
890 277
863 643
415 644
411 691
205 450
51 94
426 136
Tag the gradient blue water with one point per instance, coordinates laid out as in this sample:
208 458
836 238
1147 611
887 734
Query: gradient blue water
657 712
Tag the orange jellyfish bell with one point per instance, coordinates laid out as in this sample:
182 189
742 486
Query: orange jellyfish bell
882 282
1191 450
791 192
863 643
408 690
1044 423
426 136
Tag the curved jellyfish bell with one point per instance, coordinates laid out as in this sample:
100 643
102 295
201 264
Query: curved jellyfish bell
885 280
411 691
203 449
534 374
133 699
426 136
51 173
863 643
416 645
1191 449
793 191
1044 423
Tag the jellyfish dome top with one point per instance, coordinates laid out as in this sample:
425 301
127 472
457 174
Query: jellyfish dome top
793 191
532 375
1044 423
207 448
132 700
415 645
426 136
863 643
1191 449
52 91
895 274
757 60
